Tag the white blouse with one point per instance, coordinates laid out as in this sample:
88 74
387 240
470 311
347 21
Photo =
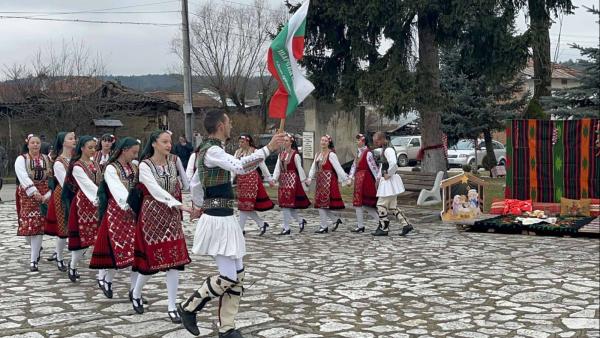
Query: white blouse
60 172
297 162
157 192
335 163
118 191
87 186
24 180
370 162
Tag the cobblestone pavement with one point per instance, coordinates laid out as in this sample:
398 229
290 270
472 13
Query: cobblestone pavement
437 282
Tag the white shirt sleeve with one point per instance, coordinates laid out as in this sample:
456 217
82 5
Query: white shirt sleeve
265 171
24 180
89 188
159 194
196 190
313 167
189 171
185 182
353 168
372 164
277 170
342 176
392 161
116 187
60 172
301 172
217 157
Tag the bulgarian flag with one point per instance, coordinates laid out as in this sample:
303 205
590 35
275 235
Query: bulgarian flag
285 51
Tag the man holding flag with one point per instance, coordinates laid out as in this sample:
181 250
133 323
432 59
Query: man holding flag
218 233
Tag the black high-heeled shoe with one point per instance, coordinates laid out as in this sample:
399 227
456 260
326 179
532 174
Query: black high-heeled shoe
357 230
263 229
39 255
138 306
322 231
107 289
144 301
60 265
52 258
33 267
336 225
73 275
174 316
302 224
285 232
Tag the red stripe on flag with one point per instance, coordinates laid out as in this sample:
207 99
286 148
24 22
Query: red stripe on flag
278 104
298 47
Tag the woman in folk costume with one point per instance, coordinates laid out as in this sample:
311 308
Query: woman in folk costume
105 149
291 194
80 196
56 220
33 170
218 233
389 187
114 244
364 171
251 193
159 239
328 171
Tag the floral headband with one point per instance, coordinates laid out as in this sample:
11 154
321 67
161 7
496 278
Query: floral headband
360 137
29 138
244 137
328 138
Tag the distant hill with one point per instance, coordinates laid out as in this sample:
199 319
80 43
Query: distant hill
168 82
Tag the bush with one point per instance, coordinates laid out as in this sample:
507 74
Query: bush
466 168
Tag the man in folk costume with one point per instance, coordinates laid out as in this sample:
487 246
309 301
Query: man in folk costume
33 170
390 186
363 172
218 233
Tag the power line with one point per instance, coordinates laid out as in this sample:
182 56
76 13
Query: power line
91 21
111 8
90 12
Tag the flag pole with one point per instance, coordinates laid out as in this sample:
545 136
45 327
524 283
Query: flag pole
281 125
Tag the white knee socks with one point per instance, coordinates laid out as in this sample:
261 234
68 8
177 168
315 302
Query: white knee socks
36 244
76 257
61 243
172 284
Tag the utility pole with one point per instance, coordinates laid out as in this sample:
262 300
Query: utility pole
188 110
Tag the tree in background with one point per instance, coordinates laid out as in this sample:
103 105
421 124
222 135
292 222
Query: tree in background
480 75
582 101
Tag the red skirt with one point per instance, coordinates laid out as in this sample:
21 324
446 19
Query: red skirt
114 245
327 195
291 193
56 223
159 239
251 193
30 219
82 223
365 193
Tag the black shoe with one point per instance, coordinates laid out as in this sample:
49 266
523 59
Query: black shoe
379 232
244 233
322 231
233 333
357 229
131 298
39 255
302 224
138 306
189 320
107 289
73 275
52 258
336 224
174 316
263 229
406 229
60 265
33 267
285 232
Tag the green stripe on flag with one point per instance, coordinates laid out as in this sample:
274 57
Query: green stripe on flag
301 30
558 153
281 60
509 155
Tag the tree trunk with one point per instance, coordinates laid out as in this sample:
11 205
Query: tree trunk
540 43
428 93
489 151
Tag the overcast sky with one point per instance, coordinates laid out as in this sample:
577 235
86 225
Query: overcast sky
131 49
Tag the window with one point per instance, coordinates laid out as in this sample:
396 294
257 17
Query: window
415 142
564 81
498 145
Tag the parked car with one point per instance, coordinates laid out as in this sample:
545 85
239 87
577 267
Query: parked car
407 148
463 152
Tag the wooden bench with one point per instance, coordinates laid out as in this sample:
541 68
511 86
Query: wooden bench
427 183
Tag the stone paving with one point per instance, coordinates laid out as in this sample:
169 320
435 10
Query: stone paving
437 282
